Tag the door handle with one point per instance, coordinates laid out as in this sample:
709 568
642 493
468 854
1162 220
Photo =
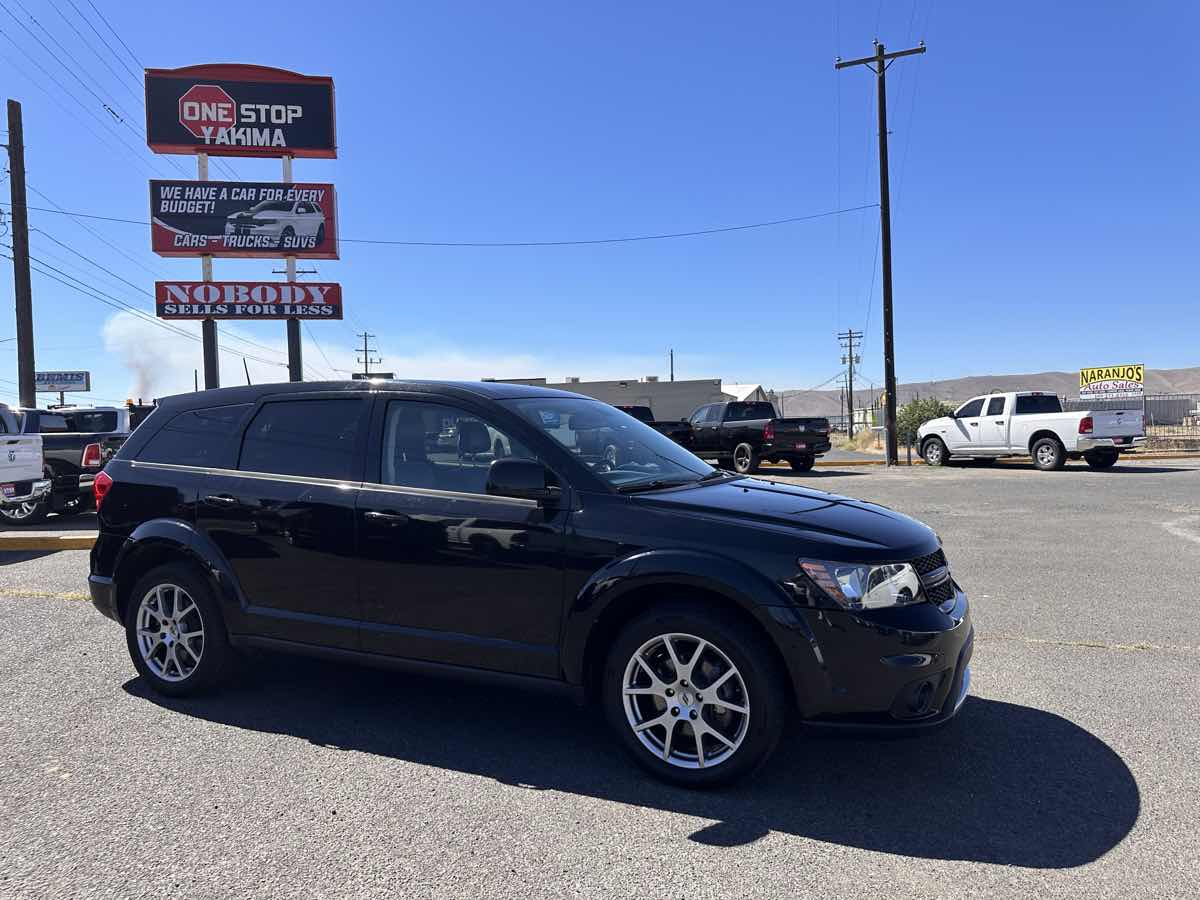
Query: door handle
221 500
973 424
391 520
997 421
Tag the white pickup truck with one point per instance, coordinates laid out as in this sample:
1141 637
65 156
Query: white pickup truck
22 469
1030 423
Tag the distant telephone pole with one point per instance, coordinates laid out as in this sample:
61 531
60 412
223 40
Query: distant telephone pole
671 355
20 244
366 359
879 65
850 341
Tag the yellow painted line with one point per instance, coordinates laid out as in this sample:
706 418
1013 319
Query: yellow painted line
18 542
73 596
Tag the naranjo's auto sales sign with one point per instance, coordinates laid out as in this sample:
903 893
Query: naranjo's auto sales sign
1112 382
243 218
239 110
247 300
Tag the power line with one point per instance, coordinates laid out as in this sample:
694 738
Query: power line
115 34
98 54
563 243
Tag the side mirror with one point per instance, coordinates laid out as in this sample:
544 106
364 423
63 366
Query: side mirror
525 479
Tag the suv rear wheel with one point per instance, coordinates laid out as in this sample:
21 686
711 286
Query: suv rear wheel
694 695
175 632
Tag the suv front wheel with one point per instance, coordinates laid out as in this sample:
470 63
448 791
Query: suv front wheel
694 695
175 632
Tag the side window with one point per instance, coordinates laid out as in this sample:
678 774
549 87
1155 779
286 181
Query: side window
201 437
314 438
699 415
51 423
996 406
970 409
427 445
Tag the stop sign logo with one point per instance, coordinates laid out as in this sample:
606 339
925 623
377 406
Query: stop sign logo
206 106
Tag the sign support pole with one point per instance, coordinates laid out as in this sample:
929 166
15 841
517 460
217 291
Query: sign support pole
208 327
295 350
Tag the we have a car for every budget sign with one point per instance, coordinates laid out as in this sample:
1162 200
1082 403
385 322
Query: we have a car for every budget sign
243 218
247 300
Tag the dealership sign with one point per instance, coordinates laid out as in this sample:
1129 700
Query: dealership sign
1112 382
243 218
57 382
247 300
239 110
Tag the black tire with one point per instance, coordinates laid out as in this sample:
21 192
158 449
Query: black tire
26 513
1048 454
745 459
1101 459
725 463
216 657
934 452
763 680
802 463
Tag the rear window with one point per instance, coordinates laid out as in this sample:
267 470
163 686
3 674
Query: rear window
86 421
201 437
52 423
737 412
1038 403
314 438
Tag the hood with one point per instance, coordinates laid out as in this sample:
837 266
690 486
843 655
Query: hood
934 424
837 527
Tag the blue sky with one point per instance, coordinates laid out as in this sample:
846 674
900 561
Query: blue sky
1043 175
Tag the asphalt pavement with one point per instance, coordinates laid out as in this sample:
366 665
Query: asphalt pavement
1074 769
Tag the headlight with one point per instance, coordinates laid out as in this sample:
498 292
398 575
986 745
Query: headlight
864 586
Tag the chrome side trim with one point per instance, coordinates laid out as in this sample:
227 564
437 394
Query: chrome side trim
333 482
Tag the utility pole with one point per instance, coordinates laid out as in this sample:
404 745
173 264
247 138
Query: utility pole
20 243
879 64
208 327
294 344
671 354
850 340
366 359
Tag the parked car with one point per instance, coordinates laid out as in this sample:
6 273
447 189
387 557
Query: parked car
696 608
22 483
283 220
76 443
677 430
1031 423
742 434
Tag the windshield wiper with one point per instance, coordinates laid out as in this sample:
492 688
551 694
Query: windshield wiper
653 485
714 475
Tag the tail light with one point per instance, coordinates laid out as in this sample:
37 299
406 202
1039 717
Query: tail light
1085 425
91 457
769 431
100 488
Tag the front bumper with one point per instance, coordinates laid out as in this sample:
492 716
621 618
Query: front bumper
37 490
894 669
1128 443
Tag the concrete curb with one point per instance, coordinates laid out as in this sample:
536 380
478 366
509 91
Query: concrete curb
20 542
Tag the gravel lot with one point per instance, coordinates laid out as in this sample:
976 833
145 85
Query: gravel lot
1074 770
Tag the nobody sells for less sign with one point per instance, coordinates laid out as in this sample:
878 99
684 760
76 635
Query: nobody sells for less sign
247 300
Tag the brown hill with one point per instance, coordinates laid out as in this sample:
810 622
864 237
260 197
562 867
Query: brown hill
1065 384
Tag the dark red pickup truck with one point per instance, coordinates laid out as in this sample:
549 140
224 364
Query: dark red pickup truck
743 434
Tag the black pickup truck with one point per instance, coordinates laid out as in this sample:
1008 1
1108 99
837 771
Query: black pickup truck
76 443
743 434
677 430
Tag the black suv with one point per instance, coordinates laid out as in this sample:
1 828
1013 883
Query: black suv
466 528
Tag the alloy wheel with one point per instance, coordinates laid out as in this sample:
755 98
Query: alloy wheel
21 512
741 459
686 701
170 632
933 453
1046 455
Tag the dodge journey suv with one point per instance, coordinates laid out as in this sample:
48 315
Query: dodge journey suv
473 529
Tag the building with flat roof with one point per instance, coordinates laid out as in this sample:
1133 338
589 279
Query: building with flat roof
666 399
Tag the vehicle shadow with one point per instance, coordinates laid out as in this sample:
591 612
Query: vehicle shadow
1003 783
1128 468
12 557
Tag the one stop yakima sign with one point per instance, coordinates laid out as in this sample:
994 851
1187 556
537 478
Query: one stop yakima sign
204 108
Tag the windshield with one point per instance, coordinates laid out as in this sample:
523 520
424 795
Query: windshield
619 449
271 206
